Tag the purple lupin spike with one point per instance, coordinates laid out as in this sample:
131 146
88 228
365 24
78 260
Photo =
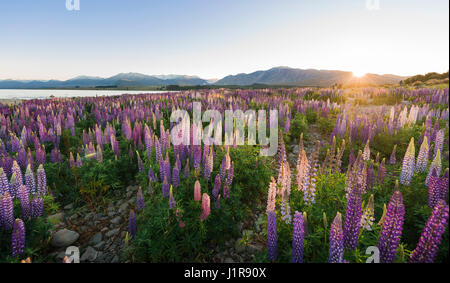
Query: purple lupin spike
392 228
18 238
297 238
431 237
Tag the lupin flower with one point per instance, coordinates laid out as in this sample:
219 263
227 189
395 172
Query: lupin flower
439 142
367 216
165 188
30 183
392 227
230 174
99 154
4 183
24 202
436 164
217 185
172 201
37 206
434 189
444 185
175 176
6 211
18 238
297 238
197 191
302 171
431 237
206 207
336 253
41 180
71 160
370 177
305 223
352 218
223 168
422 158
140 199
392 159
79 162
366 153
271 195
286 212
272 248
186 170
310 191
408 164
132 225
381 172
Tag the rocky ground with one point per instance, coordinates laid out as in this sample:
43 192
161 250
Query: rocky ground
100 236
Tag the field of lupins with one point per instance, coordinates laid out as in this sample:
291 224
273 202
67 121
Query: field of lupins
361 175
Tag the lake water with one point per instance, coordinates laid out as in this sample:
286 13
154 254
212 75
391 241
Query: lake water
46 93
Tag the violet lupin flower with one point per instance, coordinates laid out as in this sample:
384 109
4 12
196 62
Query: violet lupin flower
286 212
165 188
436 164
230 174
37 206
4 183
392 227
336 253
272 249
151 175
434 189
217 185
132 225
175 176
439 142
6 211
297 238
217 202
392 159
24 202
431 237
444 186
408 164
140 199
352 218
30 182
422 158
18 238
41 180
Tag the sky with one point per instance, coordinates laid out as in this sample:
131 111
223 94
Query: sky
215 38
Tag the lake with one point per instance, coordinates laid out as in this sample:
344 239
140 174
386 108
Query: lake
46 93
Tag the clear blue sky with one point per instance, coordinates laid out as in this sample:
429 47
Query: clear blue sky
213 38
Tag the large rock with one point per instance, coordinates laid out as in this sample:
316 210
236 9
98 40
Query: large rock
64 238
116 220
89 255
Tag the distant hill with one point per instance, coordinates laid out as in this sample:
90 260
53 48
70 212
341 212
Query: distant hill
119 80
426 77
308 77
281 76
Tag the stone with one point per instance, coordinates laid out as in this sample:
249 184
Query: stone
112 233
100 245
64 238
97 238
253 249
123 207
116 220
89 255
68 207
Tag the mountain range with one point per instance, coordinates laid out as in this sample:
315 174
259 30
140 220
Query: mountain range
274 76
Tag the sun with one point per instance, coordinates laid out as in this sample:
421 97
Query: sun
359 74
